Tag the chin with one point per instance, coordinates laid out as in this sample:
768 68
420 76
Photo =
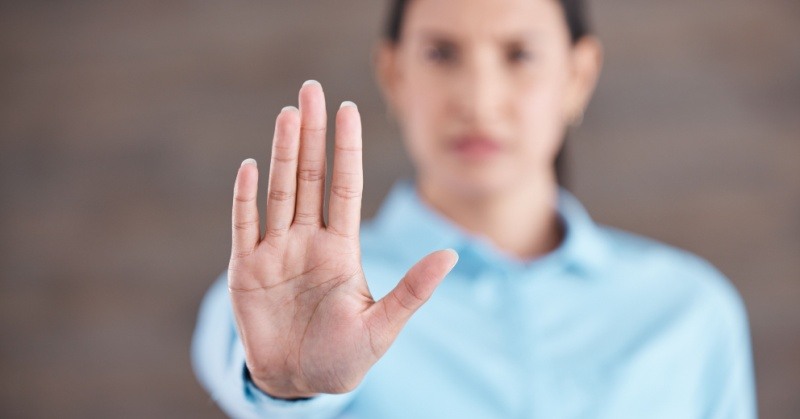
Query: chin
478 184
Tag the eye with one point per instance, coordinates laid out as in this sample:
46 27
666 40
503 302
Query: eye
441 53
519 55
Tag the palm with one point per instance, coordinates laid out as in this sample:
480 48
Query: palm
307 320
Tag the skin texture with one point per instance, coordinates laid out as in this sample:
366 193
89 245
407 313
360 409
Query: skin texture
502 70
483 90
307 320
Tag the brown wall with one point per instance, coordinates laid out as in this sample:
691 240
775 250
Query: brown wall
121 127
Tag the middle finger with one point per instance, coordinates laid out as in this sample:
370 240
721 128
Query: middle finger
311 165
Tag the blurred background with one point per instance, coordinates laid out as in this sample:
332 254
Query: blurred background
122 125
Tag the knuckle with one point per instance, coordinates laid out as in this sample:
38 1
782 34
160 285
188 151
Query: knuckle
281 196
306 218
281 158
283 152
401 302
277 231
281 147
313 129
346 149
346 192
412 294
244 225
311 174
242 198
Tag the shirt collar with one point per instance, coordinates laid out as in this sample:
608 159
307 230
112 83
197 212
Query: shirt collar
423 230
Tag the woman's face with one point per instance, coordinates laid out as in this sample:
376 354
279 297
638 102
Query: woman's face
483 90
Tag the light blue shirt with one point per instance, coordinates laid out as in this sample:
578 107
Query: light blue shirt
609 325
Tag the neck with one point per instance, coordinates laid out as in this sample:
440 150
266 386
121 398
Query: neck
521 221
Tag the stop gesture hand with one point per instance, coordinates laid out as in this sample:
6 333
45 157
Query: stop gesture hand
305 315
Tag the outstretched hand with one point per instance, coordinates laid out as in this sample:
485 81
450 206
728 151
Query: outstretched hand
305 315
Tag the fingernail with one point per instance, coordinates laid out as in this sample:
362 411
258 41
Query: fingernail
307 82
288 108
454 254
348 103
249 161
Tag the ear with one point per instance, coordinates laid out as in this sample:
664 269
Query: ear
586 61
387 74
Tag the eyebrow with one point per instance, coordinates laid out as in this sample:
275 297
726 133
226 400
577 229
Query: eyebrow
442 37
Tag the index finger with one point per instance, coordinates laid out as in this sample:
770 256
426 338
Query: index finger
347 183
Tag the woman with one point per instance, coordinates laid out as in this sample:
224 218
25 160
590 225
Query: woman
545 315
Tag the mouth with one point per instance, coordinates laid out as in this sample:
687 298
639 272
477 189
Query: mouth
476 147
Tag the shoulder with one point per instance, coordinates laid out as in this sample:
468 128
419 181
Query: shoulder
650 265
652 258
685 314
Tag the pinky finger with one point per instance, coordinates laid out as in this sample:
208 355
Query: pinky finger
245 226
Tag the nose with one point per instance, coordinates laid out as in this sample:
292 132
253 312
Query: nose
479 91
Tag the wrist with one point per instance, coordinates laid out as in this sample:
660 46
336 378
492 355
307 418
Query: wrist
276 393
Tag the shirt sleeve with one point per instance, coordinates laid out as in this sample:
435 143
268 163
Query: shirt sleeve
219 363
732 394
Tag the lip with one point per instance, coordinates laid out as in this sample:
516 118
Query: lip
476 147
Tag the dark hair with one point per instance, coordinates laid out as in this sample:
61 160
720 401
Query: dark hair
577 23
574 12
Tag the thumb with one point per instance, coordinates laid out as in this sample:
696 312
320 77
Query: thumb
394 309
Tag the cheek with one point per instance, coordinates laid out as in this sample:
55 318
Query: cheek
541 128
416 126
421 115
